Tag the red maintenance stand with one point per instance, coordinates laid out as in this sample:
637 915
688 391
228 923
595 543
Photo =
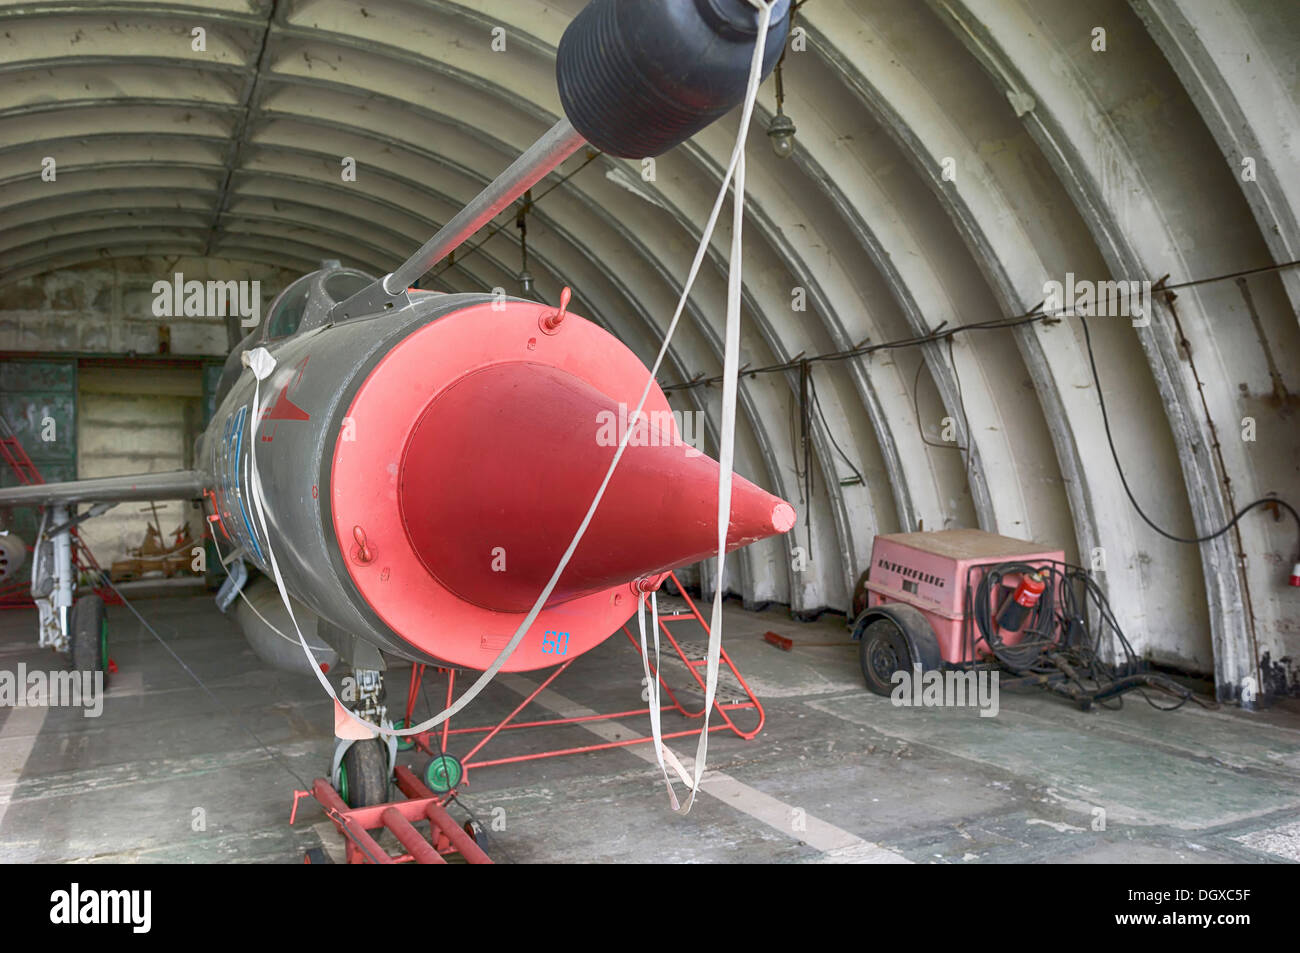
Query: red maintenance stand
448 773
400 817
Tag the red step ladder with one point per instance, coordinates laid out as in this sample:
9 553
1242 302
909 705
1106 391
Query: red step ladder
16 595
13 453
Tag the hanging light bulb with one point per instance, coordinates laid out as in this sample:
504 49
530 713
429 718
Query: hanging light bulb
521 223
781 131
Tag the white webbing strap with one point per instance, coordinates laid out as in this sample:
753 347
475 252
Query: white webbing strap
726 438
261 363
662 752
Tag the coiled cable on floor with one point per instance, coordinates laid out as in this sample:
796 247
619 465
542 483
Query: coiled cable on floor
1059 649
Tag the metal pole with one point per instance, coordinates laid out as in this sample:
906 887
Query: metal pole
556 145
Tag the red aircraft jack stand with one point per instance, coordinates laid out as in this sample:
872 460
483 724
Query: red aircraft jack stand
400 817
446 772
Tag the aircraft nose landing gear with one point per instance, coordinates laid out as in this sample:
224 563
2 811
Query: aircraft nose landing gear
363 768
77 629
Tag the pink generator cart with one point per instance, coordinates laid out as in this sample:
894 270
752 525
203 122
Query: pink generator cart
918 599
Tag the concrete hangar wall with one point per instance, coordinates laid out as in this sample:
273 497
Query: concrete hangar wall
956 161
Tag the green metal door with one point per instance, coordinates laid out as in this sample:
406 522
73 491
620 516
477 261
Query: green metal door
39 400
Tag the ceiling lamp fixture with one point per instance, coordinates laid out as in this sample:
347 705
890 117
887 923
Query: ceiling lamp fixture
781 129
525 276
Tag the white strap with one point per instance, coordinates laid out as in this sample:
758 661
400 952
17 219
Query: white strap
653 697
726 439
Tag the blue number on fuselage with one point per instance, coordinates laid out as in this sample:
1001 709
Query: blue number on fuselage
555 643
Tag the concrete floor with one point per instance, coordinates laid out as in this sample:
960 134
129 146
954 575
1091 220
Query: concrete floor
167 774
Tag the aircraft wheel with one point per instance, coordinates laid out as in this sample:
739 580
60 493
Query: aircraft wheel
88 635
363 775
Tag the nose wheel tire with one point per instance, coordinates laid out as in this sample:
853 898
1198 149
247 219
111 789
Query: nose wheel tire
363 775
88 635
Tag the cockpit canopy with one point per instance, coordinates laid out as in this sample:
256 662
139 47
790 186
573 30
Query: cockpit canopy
302 306
306 303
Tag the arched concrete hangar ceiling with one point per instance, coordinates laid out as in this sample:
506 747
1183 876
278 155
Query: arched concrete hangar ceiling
953 159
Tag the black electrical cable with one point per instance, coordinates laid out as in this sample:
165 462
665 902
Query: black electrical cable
1057 650
994 324
830 435
800 484
800 454
805 426
453 261
495 844
916 412
1123 479
105 580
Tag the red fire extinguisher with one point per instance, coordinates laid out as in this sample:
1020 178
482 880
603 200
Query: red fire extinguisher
1021 602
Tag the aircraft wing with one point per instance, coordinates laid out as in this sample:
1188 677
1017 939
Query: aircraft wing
174 485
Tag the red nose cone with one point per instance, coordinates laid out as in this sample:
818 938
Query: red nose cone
501 468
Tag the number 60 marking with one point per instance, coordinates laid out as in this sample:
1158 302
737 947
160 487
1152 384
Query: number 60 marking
555 643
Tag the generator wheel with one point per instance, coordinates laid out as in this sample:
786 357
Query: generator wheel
403 743
477 831
363 775
88 635
886 649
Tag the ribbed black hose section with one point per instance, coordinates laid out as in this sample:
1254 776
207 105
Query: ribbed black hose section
638 77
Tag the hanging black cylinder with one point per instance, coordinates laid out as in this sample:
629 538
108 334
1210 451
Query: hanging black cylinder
637 77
